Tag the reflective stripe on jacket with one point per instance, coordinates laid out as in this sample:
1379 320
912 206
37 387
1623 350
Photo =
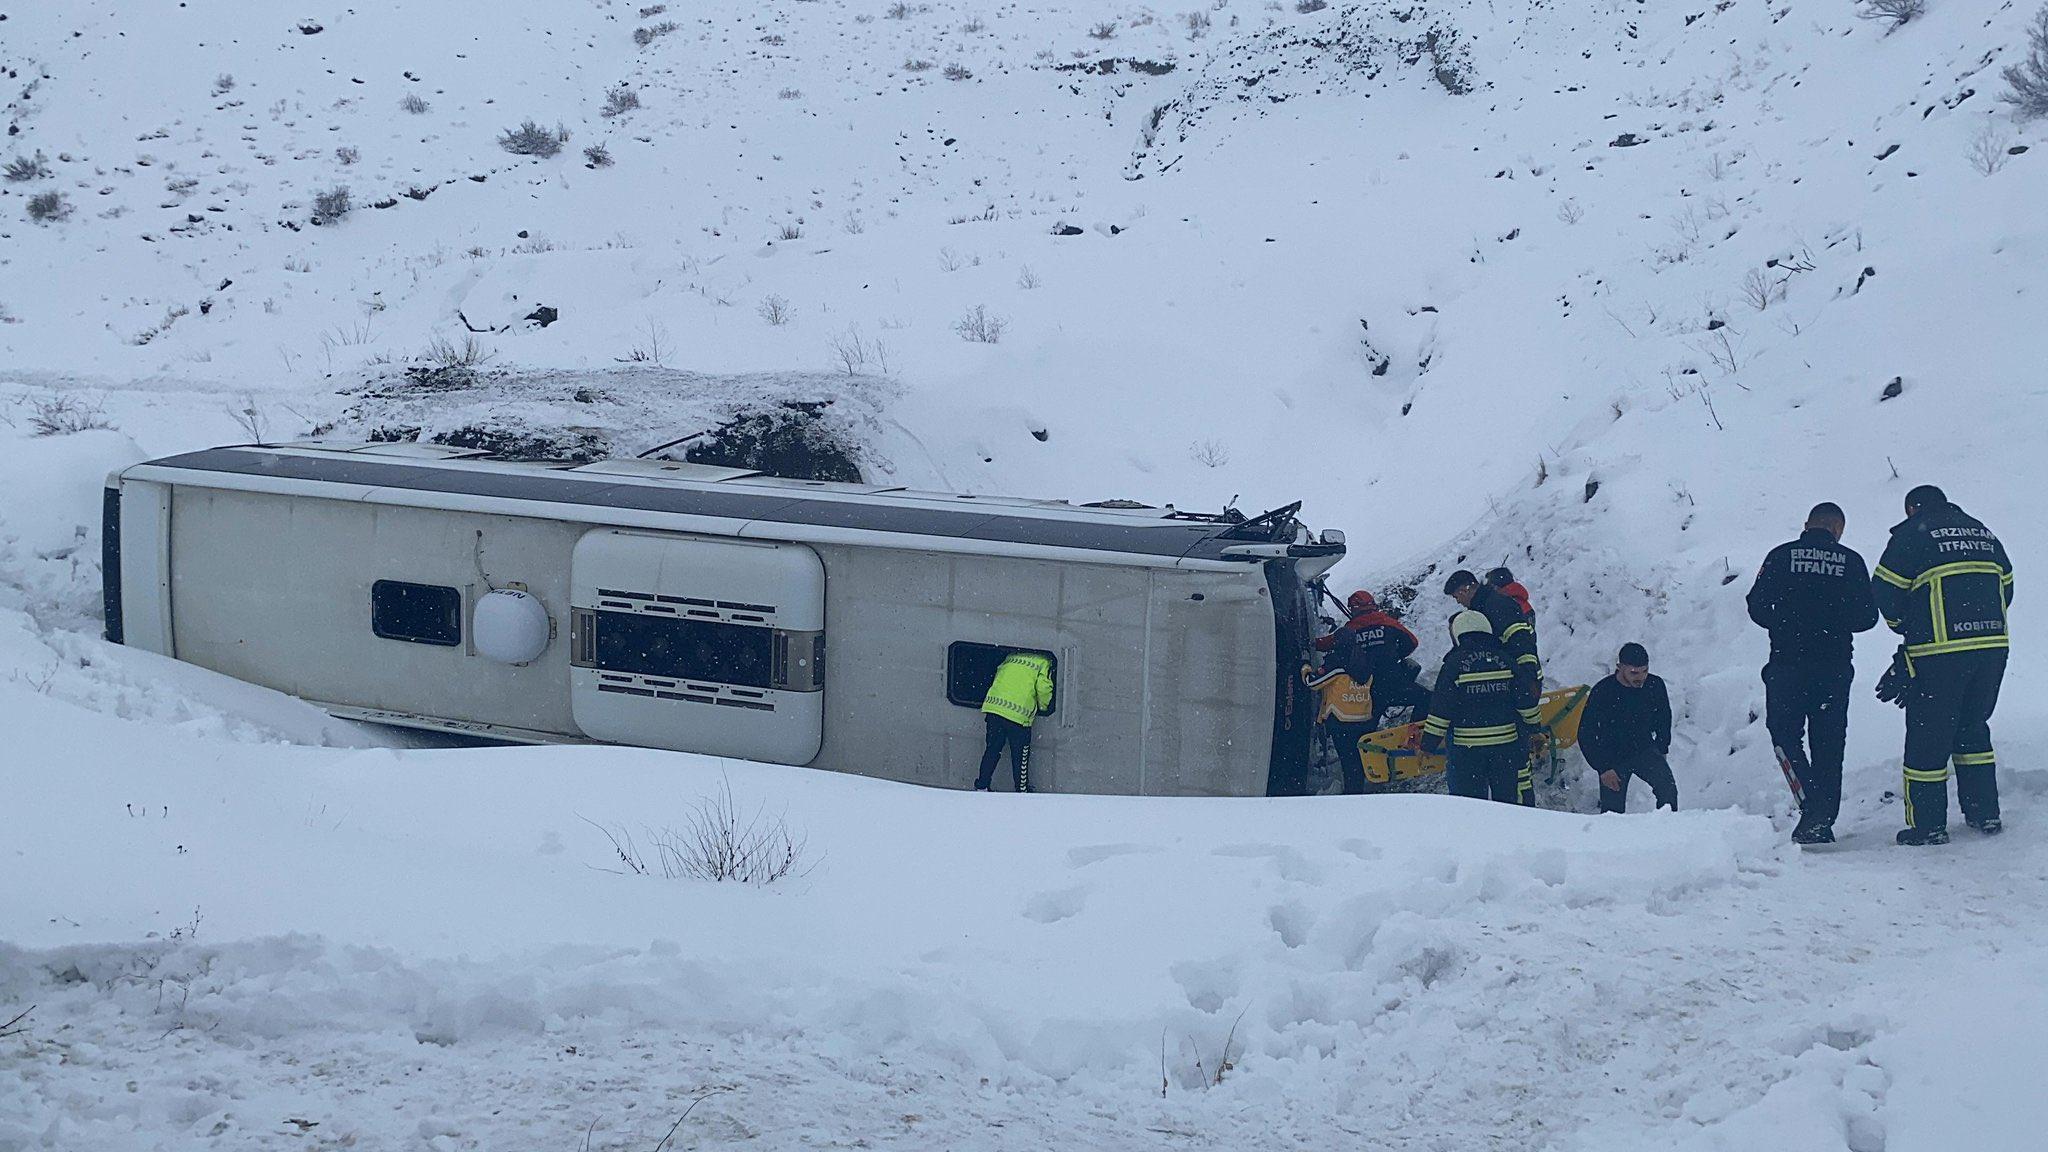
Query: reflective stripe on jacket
1022 688
1342 698
1944 584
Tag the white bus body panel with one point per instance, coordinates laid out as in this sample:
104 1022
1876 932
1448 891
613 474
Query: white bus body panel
665 694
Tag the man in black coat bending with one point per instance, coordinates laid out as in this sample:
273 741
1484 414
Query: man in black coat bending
1626 731
1813 595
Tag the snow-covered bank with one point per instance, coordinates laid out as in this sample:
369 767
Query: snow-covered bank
1395 967
429 949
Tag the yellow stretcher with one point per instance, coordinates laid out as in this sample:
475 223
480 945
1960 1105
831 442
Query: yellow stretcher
1394 760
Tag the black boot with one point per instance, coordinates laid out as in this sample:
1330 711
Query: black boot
1921 837
1989 825
1813 834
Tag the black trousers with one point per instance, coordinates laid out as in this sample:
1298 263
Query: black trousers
1398 693
1350 769
1948 718
1018 738
1487 773
1806 710
1649 766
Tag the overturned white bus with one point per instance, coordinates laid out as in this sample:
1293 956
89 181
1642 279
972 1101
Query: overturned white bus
706 609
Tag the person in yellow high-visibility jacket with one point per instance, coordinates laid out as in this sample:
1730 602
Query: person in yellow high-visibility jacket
1022 692
1345 711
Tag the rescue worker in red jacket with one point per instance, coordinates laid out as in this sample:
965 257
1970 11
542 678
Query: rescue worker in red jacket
1503 581
1376 648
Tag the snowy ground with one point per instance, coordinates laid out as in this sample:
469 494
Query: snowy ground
426 950
1616 316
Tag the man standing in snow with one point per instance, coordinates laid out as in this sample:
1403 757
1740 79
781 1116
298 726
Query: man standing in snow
1021 693
1626 732
1517 636
1813 595
1944 584
1476 711
1374 648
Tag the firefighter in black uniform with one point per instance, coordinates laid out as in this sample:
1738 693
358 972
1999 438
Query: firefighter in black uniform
1944 584
1476 710
1517 635
1813 595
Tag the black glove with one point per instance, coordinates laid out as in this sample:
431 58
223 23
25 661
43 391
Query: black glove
1896 685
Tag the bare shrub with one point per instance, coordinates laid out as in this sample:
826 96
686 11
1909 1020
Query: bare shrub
949 260
62 414
250 418
348 154
790 94
719 841
979 326
899 11
598 156
530 139
855 353
652 32
1209 453
852 223
793 230
1760 290
1306 6
957 72
1570 212
915 65
445 353
48 206
619 101
652 10
1104 30
775 310
653 348
1899 12
1027 278
333 204
974 25
223 84
2029 77
22 169
414 103
1989 149
1198 24
17 1025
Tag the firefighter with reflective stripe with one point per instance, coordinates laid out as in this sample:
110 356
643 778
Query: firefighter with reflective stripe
1345 710
1374 646
1813 595
1021 693
1517 636
1503 581
1511 626
1477 713
1944 584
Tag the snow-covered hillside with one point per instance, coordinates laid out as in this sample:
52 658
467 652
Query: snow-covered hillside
1608 292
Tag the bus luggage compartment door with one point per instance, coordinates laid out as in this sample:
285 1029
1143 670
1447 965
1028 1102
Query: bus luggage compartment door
698 644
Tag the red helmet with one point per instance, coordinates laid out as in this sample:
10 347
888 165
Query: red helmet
1360 602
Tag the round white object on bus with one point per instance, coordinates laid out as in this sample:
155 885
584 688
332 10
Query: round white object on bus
510 627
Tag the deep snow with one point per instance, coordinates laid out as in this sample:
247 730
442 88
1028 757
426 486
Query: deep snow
406 948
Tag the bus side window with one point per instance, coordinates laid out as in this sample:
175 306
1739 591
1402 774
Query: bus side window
416 613
971 668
